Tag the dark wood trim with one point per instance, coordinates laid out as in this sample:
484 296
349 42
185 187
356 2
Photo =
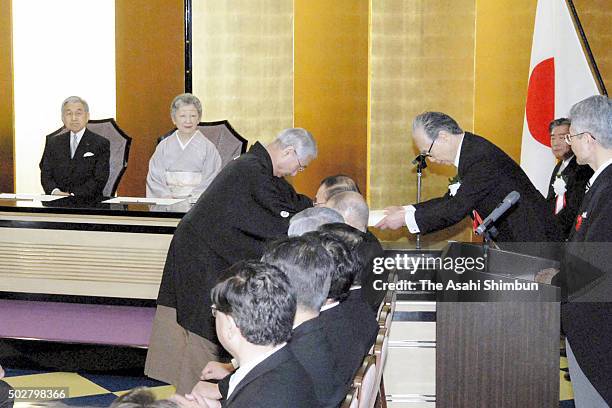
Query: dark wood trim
188 49
587 48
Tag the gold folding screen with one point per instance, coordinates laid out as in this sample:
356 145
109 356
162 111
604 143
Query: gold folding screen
422 58
243 64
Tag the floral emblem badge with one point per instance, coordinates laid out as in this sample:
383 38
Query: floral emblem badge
560 188
453 185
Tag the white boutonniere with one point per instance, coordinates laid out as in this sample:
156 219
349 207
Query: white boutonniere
453 185
560 185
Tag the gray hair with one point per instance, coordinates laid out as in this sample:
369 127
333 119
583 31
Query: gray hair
558 122
311 219
75 99
434 122
301 140
141 397
353 208
594 115
185 99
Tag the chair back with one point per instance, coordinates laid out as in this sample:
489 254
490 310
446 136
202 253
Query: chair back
228 142
365 381
381 350
352 399
119 150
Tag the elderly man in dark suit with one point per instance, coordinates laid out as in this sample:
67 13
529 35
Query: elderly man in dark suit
587 315
254 306
485 175
75 162
248 205
568 179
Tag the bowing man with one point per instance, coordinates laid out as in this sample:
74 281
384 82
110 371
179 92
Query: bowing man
75 162
246 206
186 162
485 176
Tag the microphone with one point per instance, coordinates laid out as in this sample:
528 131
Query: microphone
504 206
420 161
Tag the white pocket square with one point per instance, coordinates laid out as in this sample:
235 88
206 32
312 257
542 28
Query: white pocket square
88 154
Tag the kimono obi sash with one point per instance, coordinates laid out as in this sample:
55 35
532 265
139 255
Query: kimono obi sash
182 183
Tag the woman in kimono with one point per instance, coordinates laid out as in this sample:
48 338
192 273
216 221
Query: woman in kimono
185 163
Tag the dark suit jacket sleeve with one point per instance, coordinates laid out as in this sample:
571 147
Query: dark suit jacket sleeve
280 196
439 213
46 173
95 185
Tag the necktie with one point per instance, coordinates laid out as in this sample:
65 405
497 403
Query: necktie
73 145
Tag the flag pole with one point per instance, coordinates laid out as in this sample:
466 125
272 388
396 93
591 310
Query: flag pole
586 48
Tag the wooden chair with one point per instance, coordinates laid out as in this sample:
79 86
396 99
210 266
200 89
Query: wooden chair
119 149
381 350
352 399
365 382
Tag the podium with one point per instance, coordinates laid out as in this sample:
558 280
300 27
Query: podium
497 348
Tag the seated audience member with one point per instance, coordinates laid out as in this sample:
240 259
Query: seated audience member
332 185
312 218
5 400
568 179
307 265
350 323
141 397
355 211
186 162
255 308
75 162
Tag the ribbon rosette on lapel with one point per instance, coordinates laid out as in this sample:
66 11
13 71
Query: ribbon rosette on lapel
453 185
579 220
560 187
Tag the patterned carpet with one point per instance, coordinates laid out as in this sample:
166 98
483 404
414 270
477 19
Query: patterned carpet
97 390
84 390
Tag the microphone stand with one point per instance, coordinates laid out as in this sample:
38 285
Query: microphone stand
487 242
421 163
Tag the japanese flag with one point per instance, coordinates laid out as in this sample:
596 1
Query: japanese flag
559 76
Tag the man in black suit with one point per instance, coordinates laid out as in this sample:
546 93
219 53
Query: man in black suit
254 306
587 315
485 176
350 323
75 162
248 205
308 266
568 179
355 211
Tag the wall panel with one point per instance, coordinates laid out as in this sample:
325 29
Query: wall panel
331 86
422 59
150 73
7 180
243 64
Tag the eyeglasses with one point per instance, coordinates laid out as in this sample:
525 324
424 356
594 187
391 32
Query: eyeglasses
428 152
568 137
301 168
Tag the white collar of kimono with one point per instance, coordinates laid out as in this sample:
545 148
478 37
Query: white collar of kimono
183 146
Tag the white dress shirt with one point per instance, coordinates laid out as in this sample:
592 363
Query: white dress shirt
411 210
244 369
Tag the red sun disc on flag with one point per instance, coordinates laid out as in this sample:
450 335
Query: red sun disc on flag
540 107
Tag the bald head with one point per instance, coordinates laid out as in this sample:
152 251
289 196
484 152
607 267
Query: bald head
352 206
